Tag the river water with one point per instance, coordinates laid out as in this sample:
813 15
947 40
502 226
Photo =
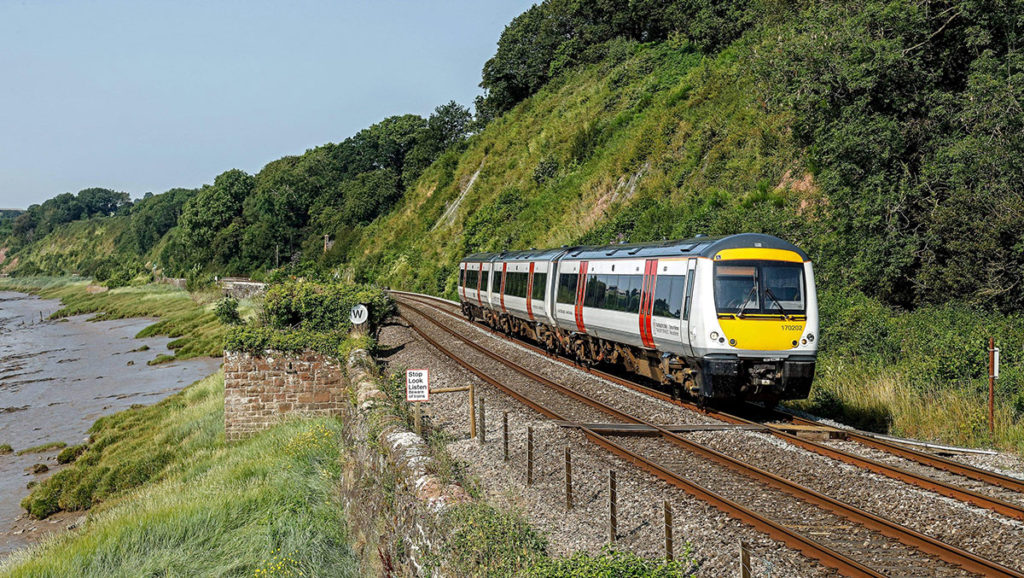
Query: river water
57 378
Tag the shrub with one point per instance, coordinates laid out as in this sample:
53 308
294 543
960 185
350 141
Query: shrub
611 562
227 311
483 541
323 307
198 280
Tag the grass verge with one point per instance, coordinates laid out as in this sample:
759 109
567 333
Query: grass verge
170 497
886 401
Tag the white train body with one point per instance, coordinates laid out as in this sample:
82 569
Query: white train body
733 317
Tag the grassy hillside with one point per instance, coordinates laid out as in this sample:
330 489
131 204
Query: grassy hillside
170 497
588 156
76 247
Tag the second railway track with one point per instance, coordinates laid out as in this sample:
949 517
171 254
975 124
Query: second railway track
866 547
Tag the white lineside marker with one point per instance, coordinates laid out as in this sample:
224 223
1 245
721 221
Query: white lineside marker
359 314
417 385
996 372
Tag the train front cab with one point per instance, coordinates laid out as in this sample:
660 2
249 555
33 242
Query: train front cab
755 336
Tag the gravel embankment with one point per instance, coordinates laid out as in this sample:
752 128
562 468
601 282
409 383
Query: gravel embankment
977 530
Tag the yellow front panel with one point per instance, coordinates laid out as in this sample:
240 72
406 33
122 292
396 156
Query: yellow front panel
763 334
758 253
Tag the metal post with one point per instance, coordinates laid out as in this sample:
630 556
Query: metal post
529 455
483 423
744 560
504 430
416 419
669 552
613 518
991 386
472 410
568 478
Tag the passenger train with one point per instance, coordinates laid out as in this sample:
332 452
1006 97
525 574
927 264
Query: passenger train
720 319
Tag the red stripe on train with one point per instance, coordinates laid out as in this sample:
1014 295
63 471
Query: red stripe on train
647 320
581 284
479 289
504 272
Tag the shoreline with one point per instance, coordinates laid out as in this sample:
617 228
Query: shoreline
57 377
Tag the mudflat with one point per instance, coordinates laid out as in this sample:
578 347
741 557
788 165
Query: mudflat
56 379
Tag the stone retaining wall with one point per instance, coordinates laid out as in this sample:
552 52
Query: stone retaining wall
401 534
259 390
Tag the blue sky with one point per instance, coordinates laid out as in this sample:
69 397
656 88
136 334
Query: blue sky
146 96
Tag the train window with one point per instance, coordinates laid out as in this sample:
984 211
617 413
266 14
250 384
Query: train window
486 282
462 277
624 292
689 294
595 291
668 295
786 283
636 283
471 279
611 293
675 302
567 287
516 284
765 287
540 283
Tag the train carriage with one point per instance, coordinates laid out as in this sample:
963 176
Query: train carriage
724 318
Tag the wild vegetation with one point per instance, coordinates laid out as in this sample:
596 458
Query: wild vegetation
156 477
301 315
882 136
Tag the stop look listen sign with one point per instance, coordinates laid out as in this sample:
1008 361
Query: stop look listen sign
417 385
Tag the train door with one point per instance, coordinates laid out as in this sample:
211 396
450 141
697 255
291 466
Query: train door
647 302
690 336
529 291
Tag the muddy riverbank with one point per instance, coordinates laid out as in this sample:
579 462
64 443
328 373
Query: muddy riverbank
56 379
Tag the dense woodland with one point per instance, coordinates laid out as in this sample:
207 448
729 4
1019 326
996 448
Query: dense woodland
884 137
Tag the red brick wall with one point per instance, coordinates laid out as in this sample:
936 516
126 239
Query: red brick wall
260 390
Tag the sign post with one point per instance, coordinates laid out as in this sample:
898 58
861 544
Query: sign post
993 374
417 390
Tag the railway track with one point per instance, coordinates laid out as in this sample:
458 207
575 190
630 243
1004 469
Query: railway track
993 491
871 546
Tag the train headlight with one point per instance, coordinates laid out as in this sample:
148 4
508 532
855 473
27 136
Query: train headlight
804 341
810 337
732 342
714 336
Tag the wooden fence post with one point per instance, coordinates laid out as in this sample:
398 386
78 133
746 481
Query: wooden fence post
568 478
669 551
483 423
744 560
504 430
529 455
612 507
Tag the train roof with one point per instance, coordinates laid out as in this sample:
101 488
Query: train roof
695 247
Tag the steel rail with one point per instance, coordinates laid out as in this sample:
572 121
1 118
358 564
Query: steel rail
791 538
943 488
881 525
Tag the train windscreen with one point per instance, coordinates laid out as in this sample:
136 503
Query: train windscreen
759 288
